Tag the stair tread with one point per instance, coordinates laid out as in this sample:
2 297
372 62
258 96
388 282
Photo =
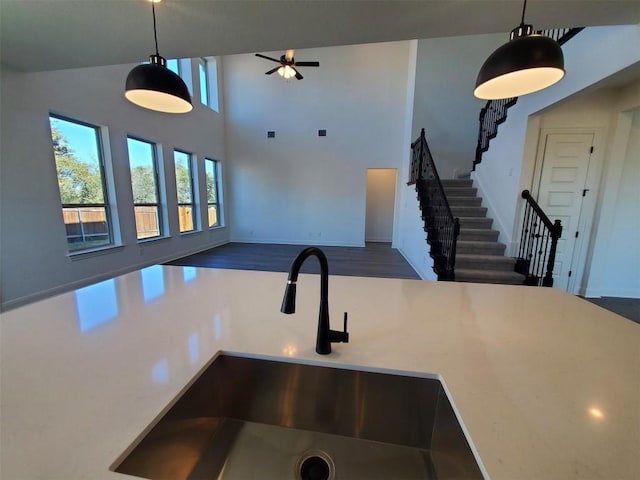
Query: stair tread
477 257
488 273
489 276
476 230
461 191
480 243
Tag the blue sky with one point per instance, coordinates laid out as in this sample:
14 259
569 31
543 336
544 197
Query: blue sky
82 140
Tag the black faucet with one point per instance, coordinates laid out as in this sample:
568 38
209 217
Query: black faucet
326 336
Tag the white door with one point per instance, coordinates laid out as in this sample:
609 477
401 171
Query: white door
560 195
381 197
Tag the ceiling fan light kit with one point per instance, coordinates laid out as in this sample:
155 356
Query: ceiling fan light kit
527 63
288 66
155 87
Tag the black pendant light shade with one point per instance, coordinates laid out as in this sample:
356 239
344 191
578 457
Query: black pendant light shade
155 87
527 63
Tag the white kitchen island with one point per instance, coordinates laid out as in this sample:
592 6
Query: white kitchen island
547 385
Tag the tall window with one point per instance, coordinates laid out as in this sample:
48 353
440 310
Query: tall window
144 183
185 190
173 64
211 168
208 74
204 81
80 165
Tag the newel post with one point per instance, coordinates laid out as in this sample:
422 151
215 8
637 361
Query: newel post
555 235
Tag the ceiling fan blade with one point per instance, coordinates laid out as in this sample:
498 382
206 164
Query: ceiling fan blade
307 64
271 71
267 58
298 75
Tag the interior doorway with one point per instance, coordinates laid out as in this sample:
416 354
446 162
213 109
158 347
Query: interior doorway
381 199
566 190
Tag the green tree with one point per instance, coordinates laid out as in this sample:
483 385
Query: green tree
79 181
144 185
183 183
211 187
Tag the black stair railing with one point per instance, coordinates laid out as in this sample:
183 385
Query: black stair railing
495 111
538 243
491 115
441 227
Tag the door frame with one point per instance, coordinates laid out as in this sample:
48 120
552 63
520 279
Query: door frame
583 249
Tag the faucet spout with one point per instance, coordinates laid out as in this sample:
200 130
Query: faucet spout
325 335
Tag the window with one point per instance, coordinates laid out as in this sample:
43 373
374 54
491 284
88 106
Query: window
208 75
173 64
204 81
77 149
144 183
211 169
185 191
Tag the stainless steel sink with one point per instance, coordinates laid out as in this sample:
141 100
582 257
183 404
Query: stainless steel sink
247 418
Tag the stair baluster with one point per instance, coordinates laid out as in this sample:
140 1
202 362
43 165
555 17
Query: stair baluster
441 227
538 243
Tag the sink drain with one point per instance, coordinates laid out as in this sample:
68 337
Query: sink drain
315 465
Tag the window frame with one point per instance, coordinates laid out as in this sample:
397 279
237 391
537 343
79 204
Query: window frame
216 184
203 72
156 177
106 205
192 182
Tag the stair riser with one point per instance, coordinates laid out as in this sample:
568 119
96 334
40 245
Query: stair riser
457 183
500 281
460 192
469 211
481 236
464 201
495 267
478 222
496 249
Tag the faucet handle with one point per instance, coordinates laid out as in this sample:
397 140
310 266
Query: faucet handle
344 330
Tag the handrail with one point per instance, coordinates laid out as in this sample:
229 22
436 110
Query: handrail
535 253
495 111
441 226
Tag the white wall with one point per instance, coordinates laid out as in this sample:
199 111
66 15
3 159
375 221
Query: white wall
409 236
381 204
613 268
34 255
444 104
507 167
299 188
622 273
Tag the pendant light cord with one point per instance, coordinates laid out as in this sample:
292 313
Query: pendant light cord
524 7
155 33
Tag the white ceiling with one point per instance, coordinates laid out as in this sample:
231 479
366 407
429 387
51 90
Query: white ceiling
40 35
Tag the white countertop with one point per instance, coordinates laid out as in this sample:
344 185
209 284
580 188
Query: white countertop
547 384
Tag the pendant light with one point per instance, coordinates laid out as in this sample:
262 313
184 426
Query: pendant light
154 86
527 63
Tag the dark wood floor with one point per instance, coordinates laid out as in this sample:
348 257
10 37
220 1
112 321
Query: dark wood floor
626 307
373 260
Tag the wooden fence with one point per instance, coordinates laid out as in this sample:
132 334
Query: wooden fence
82 223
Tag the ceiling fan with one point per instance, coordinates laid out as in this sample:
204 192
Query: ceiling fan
288 65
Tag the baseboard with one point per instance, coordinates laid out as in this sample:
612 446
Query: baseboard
67 287
421 273
612 292
271 241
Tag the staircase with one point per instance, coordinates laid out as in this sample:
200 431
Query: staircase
480 257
